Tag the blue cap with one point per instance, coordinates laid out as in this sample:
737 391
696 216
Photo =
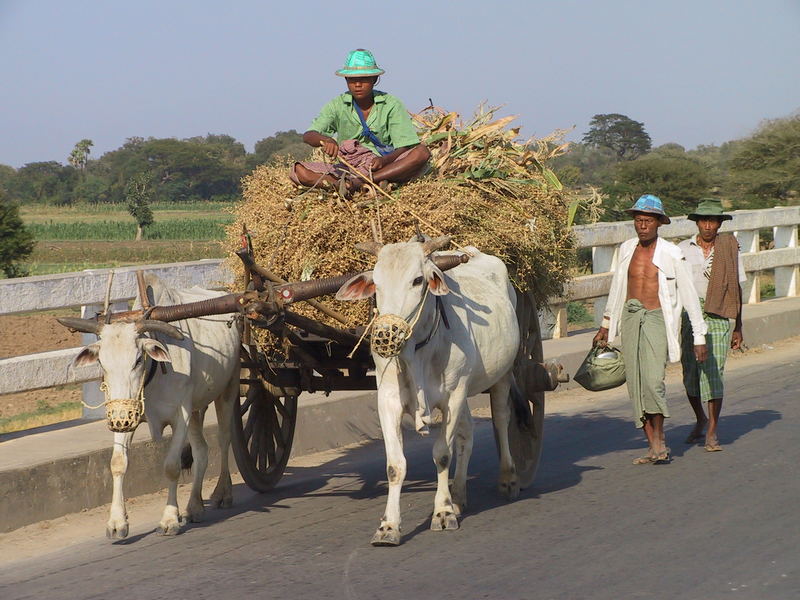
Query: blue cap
650 204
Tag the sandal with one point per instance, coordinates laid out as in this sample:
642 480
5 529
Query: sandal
663 458
644 460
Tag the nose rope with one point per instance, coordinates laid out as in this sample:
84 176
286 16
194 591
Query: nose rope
366 331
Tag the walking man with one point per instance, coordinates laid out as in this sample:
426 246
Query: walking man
650 288
717 273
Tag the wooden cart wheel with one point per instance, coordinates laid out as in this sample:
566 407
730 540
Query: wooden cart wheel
263 430
527 415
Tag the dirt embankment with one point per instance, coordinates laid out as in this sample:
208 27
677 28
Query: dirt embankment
28 334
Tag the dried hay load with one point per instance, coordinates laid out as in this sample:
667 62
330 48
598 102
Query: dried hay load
485 189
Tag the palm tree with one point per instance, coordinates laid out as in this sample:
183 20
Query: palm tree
80 154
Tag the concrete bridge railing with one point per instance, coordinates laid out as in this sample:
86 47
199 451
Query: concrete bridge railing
87 289
604 239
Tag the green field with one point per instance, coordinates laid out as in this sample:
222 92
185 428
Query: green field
102 236
43 415
174 229
37 213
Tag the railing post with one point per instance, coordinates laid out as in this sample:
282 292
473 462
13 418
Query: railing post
547 321
91 389
786 278
561 326
749 242
604 259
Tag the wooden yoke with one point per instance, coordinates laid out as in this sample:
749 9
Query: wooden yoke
260 304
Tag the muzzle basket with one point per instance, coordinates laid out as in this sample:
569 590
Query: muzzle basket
124 414
389 334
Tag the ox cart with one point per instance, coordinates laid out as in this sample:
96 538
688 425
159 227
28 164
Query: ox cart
321 358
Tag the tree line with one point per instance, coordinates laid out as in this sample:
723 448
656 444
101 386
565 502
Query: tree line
614 156
188 170
140 172
617 158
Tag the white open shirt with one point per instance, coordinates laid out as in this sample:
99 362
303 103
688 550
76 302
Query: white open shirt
675 292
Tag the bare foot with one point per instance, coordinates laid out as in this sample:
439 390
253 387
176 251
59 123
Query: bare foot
347 186
697 433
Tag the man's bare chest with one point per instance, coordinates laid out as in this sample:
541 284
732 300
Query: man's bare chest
641 265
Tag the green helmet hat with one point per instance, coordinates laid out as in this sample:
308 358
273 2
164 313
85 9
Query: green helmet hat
709 207
360 63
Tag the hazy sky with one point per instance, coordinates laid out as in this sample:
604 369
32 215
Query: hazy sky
693 71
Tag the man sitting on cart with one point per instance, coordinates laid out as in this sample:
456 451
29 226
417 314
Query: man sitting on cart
373 133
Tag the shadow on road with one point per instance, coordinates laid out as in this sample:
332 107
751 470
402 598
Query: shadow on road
570 440
360 473
12 435
730 429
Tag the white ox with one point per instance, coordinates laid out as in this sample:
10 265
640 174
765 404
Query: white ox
204 357
474 354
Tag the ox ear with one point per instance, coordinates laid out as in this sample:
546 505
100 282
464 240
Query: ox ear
155 350
435 277
357 288
87 356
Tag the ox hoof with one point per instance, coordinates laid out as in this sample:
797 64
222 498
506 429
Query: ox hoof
459 503
222 496
171 528
195 517
195 513
509 489
386 535
117 532
444 520
221 501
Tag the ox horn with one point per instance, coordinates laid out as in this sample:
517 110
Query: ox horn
370 247
435 244
146 325
82 325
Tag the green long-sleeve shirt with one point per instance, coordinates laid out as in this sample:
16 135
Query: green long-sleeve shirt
389 121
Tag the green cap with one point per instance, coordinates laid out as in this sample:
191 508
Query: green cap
709 207
360 63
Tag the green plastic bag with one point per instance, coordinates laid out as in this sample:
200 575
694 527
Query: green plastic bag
602 369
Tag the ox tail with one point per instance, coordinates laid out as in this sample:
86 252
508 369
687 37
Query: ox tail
186 458
519 403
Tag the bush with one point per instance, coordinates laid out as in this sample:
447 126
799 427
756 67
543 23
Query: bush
578 313
16 242
679 182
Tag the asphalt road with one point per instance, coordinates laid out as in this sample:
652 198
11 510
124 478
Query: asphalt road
706 526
